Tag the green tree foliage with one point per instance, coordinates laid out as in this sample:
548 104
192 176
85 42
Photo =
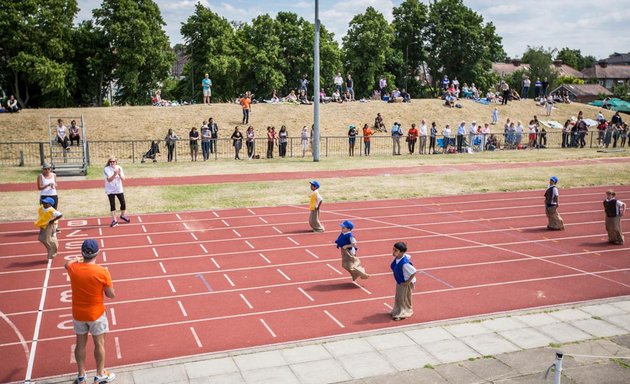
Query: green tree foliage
541 65
409 29
460 44
367 47
93 64
574 58
35 50
140 48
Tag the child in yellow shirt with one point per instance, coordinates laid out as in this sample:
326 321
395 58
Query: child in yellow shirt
46 218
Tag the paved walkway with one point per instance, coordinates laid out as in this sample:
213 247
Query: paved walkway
510 348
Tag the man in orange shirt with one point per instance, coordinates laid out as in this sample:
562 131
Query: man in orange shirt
367 132
245 102
89 282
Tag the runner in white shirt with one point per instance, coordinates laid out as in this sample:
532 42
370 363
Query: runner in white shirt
114 176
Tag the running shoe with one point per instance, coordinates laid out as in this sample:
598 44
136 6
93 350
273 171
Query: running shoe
114 224
80 380
125 219
107 377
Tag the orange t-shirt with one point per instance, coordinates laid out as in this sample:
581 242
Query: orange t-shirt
245 101
88 282
367 132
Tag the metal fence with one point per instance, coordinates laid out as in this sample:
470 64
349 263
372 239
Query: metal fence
35 153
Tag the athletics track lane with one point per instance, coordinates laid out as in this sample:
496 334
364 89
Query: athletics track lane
197 282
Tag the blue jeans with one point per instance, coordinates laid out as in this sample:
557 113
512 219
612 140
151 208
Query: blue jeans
525 92
205 149
245 116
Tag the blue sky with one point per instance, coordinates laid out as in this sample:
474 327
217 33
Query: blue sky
597 28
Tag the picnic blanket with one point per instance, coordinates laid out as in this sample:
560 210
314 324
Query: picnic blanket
551 124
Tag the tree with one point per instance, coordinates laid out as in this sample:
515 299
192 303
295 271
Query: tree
93 64
35 48
574 58
139 46
367 46
409 29
541 64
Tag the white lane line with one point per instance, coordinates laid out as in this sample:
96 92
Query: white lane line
333 319
193 236
155 252
362 288
170 284
181 308
237 234
162 267
228 279
73 360
334 269
185 225
293 241
139 219
215 263
263 220
306 294
261 255
225 222
100 231
246 301
388 306
192 330
17 333
38 323
216 214
104 255
250 211
203 248
283 274
178 216
268 329
277 230
112 313
102 243
149 239
312 254
98 221
144 229
250 244
118 352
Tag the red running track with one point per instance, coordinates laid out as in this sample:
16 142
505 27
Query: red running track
201 282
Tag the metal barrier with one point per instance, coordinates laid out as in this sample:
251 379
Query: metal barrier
33 153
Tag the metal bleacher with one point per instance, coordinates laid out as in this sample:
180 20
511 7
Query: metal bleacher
73 162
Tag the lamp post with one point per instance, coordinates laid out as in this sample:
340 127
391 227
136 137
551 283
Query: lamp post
316 87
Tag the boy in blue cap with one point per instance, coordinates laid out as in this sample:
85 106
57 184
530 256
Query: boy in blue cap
347 244
46 218
314 205
555 222
405 276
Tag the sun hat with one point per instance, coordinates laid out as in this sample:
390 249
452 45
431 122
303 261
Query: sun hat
48 200
347 224
314 183
89 249
554 179
46 165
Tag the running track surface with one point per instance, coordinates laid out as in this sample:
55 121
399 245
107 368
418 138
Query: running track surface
191 283
278 176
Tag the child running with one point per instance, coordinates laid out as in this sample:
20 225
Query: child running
405 276
347 243
315 203
46 218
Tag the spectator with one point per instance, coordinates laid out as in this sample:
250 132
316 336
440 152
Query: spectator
304 137
466 92
446 133
525 89
62 135
537 89
250 142
271 139
505 90
545 85
379 124
422 137
406 97
283 140
472 133
382 85
47 216
12 105
350 87
433 138
461 131
549 105
292 98
397 133
206 138
114 177
303 99
338 80
492 143
495 116
274 97
193 140
206 85
532 128
336 96
74 133
237 142
170 140
352 138
47 185
367 133
245 102
412 137
303 85
514 95
485 132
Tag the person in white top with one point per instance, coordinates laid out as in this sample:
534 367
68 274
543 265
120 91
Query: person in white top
422 137
405 276
62 135
114 177
47 184
338 82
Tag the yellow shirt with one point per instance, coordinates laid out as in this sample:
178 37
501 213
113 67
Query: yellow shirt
316 198
44 216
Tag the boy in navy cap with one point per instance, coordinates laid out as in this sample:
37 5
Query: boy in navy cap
555 222
348 246
315 204
46 218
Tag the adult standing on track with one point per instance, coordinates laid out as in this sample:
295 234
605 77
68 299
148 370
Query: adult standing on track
315 203
551 206
89 282
114 176
47 216
347 244
405 276
47 184
614 209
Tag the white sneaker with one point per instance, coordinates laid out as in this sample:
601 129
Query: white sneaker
108 377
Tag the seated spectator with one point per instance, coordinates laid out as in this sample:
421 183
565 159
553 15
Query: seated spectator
466 92
395 96
74 133
453 90
406 97
491 96
376 95
474 91
565 97
347 96
62 135
450 100
12 105
336 96
323 98
379 124
492 143
303 98
514 95
274 97
292 97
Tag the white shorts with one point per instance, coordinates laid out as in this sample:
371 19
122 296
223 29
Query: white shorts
207 92
95 328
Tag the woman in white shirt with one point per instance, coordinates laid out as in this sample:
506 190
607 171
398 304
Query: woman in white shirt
114 176
47 184
62 135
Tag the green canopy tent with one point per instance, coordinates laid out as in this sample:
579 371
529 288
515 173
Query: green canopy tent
613 104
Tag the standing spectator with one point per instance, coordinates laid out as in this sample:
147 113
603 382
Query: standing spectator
170 140
304 137
397 133
461 131
237 142
532 128
549 105
47 216
422 137
90 282
472 133
74 133
446 138
12 105
525 90
47 185
551 206
315 203
537 89
193 140
206 138
214 134
505 90
283 140
245 102
412 137
432 138
347 244
338 80
250 142
614 209
114 177
495 116
382 86
352 139
303 85
350 87
206 85
485 133
271 138
367 133
445 82
545 86
62 135
405 276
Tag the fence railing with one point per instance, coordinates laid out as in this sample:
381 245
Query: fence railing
34 153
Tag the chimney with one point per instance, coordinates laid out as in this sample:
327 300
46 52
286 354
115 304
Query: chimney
557 63
516 62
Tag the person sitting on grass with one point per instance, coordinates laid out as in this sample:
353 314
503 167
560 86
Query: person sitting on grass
379 124
303 99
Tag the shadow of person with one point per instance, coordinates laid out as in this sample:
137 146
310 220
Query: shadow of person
376 319
535 230
332 287
32 263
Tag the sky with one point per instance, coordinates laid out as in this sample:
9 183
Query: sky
597 28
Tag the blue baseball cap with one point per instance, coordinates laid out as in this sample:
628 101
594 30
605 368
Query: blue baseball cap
89 249
315 183
48 200
554 179
347 224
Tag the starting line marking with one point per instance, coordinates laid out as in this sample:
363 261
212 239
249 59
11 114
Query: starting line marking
277 230
268 329
225 222
181 307
102 243
228 279
293 241
283 274
388 306
246 301
139 219
162 267
334 269
203 248
215 263
333 319
100 231
312 254
113 315
118 352
185 226
192 330
216 214
263 220
178 216
264 258
104 260
306 294
144 229
170 284
250 211
193 236
149 239
236 232
250 244
155 252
